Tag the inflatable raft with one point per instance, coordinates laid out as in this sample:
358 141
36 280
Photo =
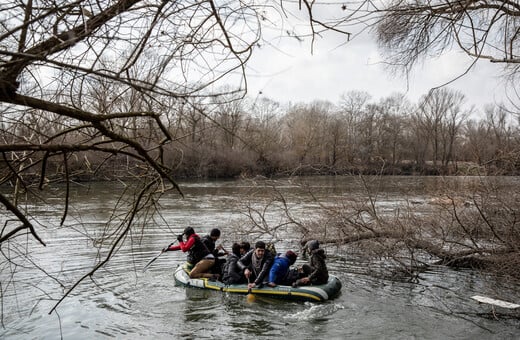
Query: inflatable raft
317 293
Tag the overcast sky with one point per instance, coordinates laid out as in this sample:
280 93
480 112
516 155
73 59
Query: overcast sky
290 73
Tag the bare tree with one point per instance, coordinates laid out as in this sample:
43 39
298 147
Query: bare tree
439 117
130 81
502 139
305 128
98 76
396 112
477 142
412 30
263 134
335 141
473 226
229 115
352 105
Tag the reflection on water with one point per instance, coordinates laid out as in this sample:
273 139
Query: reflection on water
122 302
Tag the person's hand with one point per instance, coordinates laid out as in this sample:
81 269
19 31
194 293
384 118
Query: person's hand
304 280
251 285
167 247
179 238
221 250
247 273
271 284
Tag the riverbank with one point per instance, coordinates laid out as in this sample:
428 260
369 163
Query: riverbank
115 169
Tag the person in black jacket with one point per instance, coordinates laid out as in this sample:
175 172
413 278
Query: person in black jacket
231 273
210 241
245 247
315 272
256 264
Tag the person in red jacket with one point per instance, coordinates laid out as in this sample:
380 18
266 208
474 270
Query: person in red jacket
198 254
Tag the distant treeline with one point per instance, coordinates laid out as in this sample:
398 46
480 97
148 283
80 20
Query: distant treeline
436 136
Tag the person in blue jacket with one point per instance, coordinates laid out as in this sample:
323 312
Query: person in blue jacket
280 273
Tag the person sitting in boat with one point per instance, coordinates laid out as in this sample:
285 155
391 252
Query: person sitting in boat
281 273
244 248
306 247
272 249
198 254
315 272
210 241
231 273
256 265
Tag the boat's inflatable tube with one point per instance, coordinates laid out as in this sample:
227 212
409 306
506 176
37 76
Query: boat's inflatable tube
302 293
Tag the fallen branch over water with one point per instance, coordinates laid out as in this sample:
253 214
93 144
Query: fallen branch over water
481 233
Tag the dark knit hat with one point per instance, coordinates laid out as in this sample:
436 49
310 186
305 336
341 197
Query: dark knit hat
291 255
313 244
189 231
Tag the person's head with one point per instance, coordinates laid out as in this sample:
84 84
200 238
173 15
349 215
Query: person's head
236 249
313 245
291 255
271 248
188 231
244 247
214 234
259 249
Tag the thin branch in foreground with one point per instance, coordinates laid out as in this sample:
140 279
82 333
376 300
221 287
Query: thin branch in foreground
113 247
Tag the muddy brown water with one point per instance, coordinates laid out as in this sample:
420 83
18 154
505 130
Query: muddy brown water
122 302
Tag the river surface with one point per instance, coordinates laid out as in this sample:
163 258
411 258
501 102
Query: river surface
121 301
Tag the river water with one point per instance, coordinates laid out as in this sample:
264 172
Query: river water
121 301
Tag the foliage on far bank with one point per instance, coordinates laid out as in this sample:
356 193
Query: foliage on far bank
436 136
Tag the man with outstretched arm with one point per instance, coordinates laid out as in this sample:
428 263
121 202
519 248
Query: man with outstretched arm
198 254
